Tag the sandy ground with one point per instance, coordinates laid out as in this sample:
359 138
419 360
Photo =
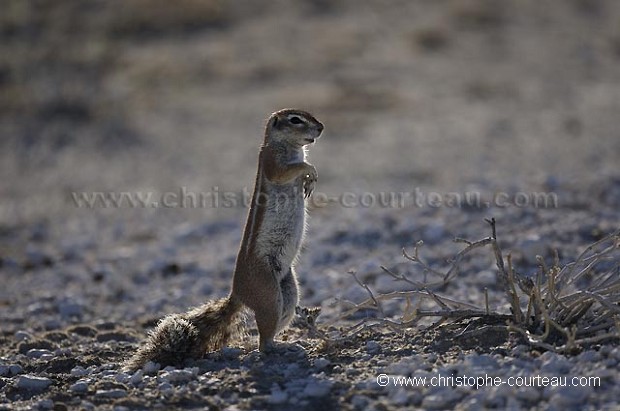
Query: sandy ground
421 98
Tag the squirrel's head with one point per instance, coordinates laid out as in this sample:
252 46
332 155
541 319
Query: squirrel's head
295 127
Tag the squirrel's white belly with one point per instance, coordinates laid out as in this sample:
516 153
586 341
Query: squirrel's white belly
283 225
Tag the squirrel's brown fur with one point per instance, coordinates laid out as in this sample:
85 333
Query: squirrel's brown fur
264 279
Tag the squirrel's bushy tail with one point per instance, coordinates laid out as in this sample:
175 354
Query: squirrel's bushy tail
179 337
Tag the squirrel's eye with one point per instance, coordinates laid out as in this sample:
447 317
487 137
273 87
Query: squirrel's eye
296 120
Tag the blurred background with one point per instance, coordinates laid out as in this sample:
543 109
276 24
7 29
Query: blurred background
154 95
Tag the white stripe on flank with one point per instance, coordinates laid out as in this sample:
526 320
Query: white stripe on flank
253 210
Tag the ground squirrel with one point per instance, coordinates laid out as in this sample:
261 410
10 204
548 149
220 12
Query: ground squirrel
264 278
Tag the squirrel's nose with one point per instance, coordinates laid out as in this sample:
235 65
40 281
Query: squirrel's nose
320 127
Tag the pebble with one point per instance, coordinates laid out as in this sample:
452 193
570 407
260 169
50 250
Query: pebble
317 389
496 397
38 353
440 400
590 356
137 377
373 347
352 372
52 324
360 401
399 396
34 383
321 363
231 353
79 387
151 367
45 404
277 396
528 394
23 336
165 386
69 308
10 370
15 369
114 393
87 405
568 396
122 377
482 362
554 364
179 375
79 371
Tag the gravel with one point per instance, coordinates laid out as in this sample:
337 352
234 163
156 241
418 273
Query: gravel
423 98
32 382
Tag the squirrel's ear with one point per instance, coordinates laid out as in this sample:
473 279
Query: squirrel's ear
274 121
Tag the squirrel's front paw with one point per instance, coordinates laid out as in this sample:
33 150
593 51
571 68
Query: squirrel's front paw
309 181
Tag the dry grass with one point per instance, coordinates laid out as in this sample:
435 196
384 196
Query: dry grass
563 309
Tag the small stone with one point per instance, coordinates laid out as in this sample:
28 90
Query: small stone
69 308
230 353
554 364
178 375
33 383
121 377
373 347
497 396
87 405
38 353
317 389
136 378
45 404
482 362
78 371
399 396
359 402
52 324
165 387
352 372
439 401
60 406
151 367
277 396
15 369
591 356
23 336
79 387
519 350
114 393
569 396
114 336
321 363
528 394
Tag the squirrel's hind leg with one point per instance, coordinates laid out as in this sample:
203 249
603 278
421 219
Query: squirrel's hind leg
290 299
